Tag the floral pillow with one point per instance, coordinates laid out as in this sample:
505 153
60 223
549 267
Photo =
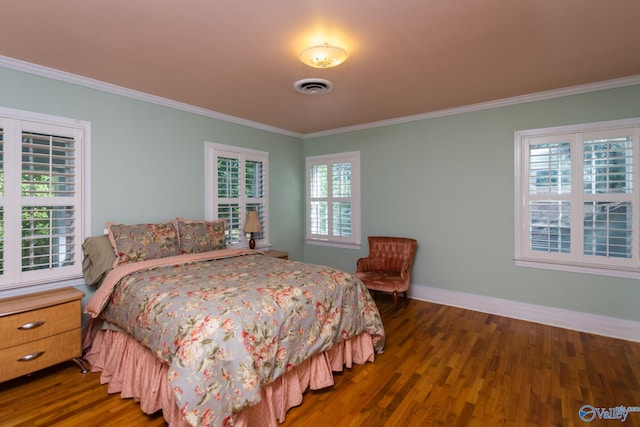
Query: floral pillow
140 242
200 236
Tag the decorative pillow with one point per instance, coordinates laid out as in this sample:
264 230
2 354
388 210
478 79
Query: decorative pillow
98 258
200 236
140 242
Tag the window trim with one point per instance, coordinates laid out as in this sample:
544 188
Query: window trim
354 242
212 151
520 259
73 276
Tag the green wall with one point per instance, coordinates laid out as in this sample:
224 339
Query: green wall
148 160
446 181
449 183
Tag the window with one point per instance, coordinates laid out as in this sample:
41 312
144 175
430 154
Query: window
43 217
578 198
237 181
333 199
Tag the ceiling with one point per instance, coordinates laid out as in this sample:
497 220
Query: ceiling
407 57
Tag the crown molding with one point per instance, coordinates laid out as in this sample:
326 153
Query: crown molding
538 96
64 76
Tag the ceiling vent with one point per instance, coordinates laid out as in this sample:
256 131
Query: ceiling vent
313 86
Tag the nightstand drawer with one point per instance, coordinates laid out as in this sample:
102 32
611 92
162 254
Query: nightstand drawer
33 325
36 355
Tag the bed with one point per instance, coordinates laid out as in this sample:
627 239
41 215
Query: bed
215 336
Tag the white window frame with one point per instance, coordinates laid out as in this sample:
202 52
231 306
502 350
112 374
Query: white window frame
14 281
354 240
576 260
212 152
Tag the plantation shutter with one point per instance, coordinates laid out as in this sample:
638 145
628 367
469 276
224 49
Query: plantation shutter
241 181
341 204
608 175
49 202
582 198
549 184
41 216
319 188
2 202
332 198
229 197
255 193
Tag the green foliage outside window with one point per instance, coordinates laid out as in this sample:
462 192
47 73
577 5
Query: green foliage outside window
38 238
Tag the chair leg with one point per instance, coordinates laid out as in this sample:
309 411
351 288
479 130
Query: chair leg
406 298
395 302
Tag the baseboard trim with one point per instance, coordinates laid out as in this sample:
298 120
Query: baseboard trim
562 318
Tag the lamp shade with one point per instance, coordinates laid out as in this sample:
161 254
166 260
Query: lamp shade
252 224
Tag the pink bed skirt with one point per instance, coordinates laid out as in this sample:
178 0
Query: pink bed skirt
133 371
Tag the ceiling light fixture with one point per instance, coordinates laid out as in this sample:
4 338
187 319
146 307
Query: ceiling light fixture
323 56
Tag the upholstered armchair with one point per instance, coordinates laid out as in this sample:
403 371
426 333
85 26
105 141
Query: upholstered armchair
388 266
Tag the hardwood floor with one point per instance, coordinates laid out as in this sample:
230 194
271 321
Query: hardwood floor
442 366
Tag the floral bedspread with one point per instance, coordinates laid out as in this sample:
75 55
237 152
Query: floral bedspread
227 326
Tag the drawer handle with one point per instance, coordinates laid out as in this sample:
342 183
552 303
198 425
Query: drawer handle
31 325
31 356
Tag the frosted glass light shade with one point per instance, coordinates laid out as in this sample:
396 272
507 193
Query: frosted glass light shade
323 56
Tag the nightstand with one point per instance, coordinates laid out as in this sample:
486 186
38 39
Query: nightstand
40 330
277 254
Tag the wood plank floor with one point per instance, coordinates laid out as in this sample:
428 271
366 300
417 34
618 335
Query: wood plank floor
442 366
